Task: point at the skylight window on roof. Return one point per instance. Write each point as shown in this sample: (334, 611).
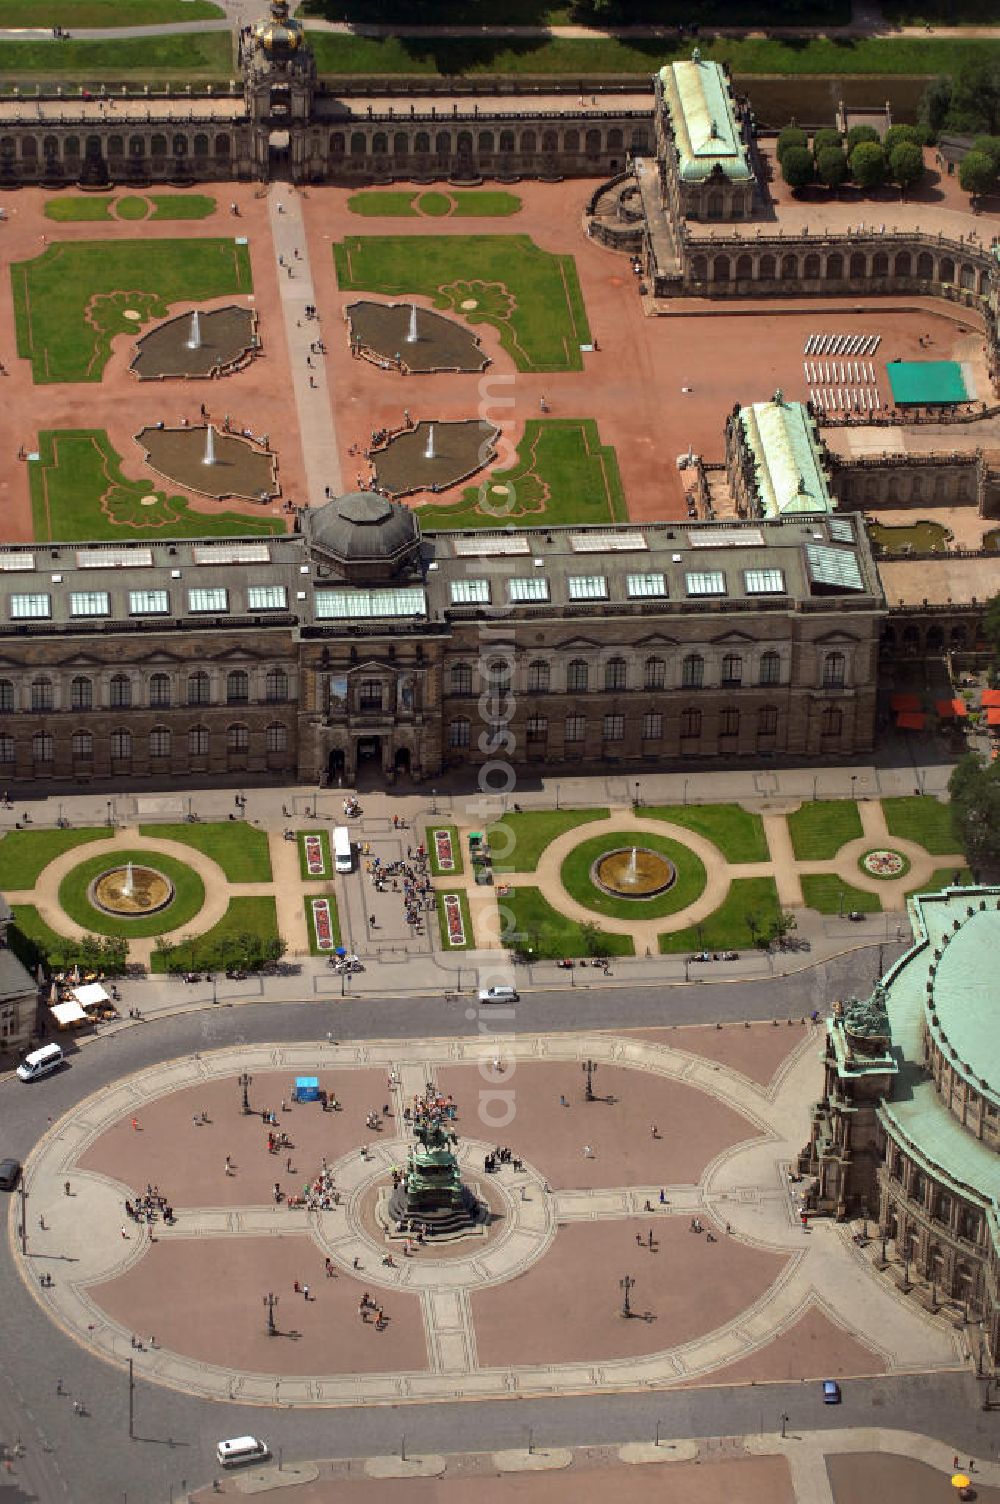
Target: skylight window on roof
(588, 587)
(30, 607)
(841, 529)
(11, 563)
(706, 582)
(835, 567)
(148, 602)
(535, 588)
(212, 598)
(359, 605)
(114, 558)
(764, 581)
(266, 597)
(89, 603)
(607, 543)
(646, 586)
(231, 553)
(726, 537)
(491, 546)
(470, 592)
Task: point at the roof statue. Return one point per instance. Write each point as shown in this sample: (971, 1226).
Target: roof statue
(867, 1022)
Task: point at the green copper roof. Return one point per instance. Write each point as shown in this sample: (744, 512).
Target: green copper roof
(788, 460)
(706, 132)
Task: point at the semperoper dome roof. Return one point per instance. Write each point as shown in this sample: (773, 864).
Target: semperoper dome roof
(278, 32)
(362, 525)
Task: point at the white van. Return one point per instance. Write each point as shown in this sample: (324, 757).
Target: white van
(343, 859)
(240, 1450)
(499, 995)
(40, 1062)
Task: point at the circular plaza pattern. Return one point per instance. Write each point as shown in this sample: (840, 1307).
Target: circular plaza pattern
(884, 863)
(131, 890)
(669, 876)
(597, 1193)
(176, 894)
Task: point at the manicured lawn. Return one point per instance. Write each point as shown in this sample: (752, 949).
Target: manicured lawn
(519, 840)
(189, 895)
(550, 934)
(920, 538)
(176, 58)
(818, 830)
(104, 13)
(324, 841)
(131, 207)
(576, 879)
(532, 297)
(379, 203)
(181, 205)
(463, 203)
(244, 916)
(822, 56)
(435, 205)
(463, 904)
(24, 853)
(737, 833)
(456, 851)
(480, 203)
(829, 894)
(70, 301)
(923, 819)
(78, 491)
(32, 940)
(943, 877)
(749, 898)
(564, 474)
(314, 949)
(88, 206)
(241, 850)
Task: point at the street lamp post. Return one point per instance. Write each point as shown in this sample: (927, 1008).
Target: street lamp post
(686, 781)
(625, 1286)
(245, 1082)
(784, 1423)
(215, 988)
(434, 801)
(589, 1067)
(637, 799)
(24, 1216)
(270, 1305)
(110, 822)
(854, 781)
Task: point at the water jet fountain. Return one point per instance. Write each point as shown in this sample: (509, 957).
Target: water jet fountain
(209, 455)
(194, 338)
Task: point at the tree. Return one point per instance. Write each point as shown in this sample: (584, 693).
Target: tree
(975, 810)
(831, 166)
(990, 146)
(975, 97)
(868, 164)
(906, 164)
(976, 174)
(824, 138)
(782, 925)
(791, 136)
(897, 134)
(859, 134)
(935, 104)
(797, 167)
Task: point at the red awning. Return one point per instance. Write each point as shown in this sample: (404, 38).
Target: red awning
(906, 702)
(911, 720)
(993, 716)
(991, 697)
(951, 710)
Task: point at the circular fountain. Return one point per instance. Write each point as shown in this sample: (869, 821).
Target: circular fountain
(131, 891)
(633, 872)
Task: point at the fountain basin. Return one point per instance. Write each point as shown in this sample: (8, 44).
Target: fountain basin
(434, 455)
(382, 332)
(150, 891)
(227, 337)
(238, 467)
(633, 872)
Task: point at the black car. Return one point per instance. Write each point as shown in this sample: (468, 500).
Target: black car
(10, 1173)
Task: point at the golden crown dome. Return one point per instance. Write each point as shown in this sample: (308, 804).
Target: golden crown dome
(278, 32)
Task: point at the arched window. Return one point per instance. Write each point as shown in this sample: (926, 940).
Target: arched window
(834, 669)
(880, 264)
(201, 144)
(538, 677)
(121, 745)
(43, 747)
(834, 267)
(120, 690)
(498, 674)
(789, 268)
(592, 143)
(6, 694)
(615, 139)
(767, 268)
(744, 268)
(136, 146)
(357, 144)
(640, 139)
(6, 748)
(275, 686)
(237, 738)
(460, 679)
(537, 728)
(693, 671)
(859, 265)
(690, 724)
(720, 269)
(223, 147)
(925, 266)
(198, 741)
(550, 141)
(159, 690)
(486, 143)
(276, 737)
(903, 264)
(577, 675)
(337, 144)
(732, 669)
(442, 143)
(699, 268)
(81, 693)
(159, 741)
(82, 746)
(506, 140)
(770, 668)
(458, 732)
(615, 674)
(50, 148)
(832, 722)
(400, 145)
(656, 673)
(529, 142)
(421, 142)
(380, 143)
(199, 688)
(180, 144)
(41, 694)
(237, 687)
(810, 267)
(571, 141)
(729, 721)
(71, 147)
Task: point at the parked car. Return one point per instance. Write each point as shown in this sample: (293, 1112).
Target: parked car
(831, 1392)
(10, 1174)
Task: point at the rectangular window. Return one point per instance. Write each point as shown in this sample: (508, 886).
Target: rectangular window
(30, 607)
(652, 726)
(528, 588)
(266, 597)
(642, 586)
(576, 728)
(614, 728)
(470, 592)
(705, 582)
(212, 598)
(588, 587)
(537, 728)
(90, 603)
(359, 605)
(149, 602)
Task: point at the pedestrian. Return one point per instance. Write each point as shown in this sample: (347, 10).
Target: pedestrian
(588, 1152)
(124, 1231)
(654, 1132)
(196, 1120)
(663, 1197)
(41, 1224)
(135, 1125)
(305, 1291)
(357, 1262)
(229, 1165)
(562, 1101)
(296, 1287)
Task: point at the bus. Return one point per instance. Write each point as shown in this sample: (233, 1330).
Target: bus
(343, 857)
